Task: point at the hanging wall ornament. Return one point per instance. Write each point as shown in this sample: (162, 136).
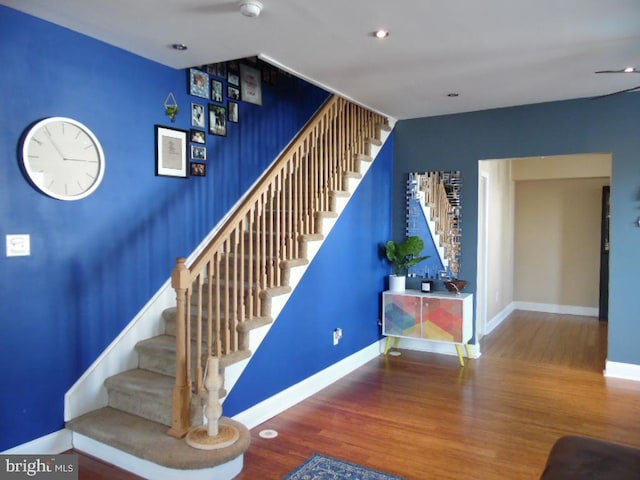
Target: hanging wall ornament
(171, 107)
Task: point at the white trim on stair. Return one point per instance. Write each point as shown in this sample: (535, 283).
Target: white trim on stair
(147, 469)
(295, 394)
(89, 393)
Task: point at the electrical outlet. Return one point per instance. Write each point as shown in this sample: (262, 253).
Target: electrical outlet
(337, 335)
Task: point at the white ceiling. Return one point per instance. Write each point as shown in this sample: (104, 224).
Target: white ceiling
(494, 53)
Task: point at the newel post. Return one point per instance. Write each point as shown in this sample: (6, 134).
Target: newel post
(181, 405)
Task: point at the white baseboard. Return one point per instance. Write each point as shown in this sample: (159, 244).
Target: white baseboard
(293, 395)
(52, 444)
(627, 371)
(499, 318)
(552, 308)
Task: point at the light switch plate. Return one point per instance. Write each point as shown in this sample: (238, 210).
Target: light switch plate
(18, 245)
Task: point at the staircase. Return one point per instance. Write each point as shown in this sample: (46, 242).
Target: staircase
(437, 195)
(231, 289)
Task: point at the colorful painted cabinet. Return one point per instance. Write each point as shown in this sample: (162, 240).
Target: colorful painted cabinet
(440, 316)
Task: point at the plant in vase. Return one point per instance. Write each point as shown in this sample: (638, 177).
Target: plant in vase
(402, 256)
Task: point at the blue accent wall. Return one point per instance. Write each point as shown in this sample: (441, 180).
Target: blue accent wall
(457, 142)
(341, 288)
(97, 261)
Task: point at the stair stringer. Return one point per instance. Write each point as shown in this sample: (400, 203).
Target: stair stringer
(311, 246)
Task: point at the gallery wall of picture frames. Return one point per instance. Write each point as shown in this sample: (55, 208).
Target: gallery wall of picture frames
(218, 89)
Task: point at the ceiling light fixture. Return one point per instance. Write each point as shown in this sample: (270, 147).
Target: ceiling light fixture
(250, 8)
(453, 94)
(381, 33)
(629, 70)
(179, 46)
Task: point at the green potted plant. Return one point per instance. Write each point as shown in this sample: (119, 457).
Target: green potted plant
(402, 256)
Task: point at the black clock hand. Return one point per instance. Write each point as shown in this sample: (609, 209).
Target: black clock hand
(55, 145)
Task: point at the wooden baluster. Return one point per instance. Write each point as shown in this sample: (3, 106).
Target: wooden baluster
(198, 373)
(217, 264)
(181, 414)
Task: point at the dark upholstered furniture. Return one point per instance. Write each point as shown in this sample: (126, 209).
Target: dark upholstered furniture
(581, 458)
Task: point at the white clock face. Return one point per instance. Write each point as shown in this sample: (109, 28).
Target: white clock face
(63, 158)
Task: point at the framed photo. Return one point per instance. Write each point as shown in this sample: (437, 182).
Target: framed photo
(198, 83)
(217, 120)
(171, 152)
(198, 153)
(198, 169)
(197, 115)
(250, 84)
(233, 112)
(198, 136)
(233, 74)
(216, 91)
(233, 93)
(221, 69)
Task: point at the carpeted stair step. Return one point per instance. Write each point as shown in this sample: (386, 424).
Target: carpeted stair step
(149, 440)
(147, 395)
(170, 314)
(158, 354)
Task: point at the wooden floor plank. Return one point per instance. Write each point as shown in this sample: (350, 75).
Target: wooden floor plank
(421, 416)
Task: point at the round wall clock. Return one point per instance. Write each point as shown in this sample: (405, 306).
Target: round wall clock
(63, 158)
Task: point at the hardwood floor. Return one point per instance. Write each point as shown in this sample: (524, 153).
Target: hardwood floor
(421, 416)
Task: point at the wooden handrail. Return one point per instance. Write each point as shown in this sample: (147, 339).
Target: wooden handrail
(229, 282)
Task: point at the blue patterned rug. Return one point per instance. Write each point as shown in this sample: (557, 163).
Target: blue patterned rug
(321, 467)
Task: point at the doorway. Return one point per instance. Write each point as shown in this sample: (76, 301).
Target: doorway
(499, 287)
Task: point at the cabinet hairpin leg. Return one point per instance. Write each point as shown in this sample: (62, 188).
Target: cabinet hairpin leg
(387, 345)
(460, 357)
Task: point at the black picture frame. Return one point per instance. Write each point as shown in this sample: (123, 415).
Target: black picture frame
(198, 136)
(233, 93)
(217, 92)
(221, 70)
(250, 84)
(198, 115)
(233, 111)
(233, 73)
(198, 83)
(171, 152)
(199, 153)
(198, 169)
(217, 120)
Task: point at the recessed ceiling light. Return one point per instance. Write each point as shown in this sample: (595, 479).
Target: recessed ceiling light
(453, 94)
(381, 33)
(179, 46)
